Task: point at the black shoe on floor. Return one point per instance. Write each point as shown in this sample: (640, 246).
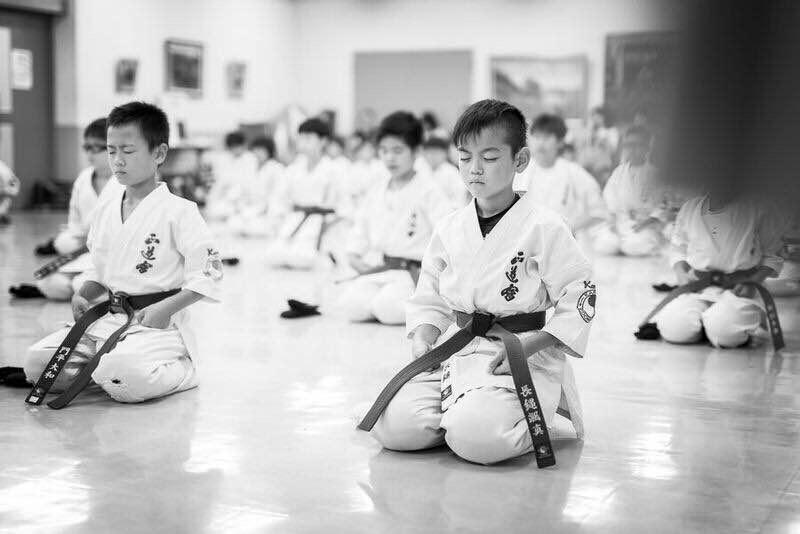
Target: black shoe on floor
(47, 249)
(299, 309)
(26, 291)
(5, 220)
(230, 261)
(648, 331)
(13, 377)
(664, 287)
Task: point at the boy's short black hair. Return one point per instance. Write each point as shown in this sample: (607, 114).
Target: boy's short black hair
(234, 139)
(403, 125)
(429, 120)
(550, 124)
(492, 113)
(267, 143)
(150, 119)
(316, 126)
(437, 142)
(98, 129)
(641, 131)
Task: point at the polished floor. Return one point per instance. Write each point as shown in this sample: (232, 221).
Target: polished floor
(679, 439)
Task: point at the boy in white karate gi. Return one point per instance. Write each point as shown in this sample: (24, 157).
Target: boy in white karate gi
(561, 185)
(313, 180)
(443, 173)
(143, 240)
(500, 255)
(638, 204)
(251, 219)
(394, 224)
(9, 188)
(234, 173)
(89, 186)
(720, 232)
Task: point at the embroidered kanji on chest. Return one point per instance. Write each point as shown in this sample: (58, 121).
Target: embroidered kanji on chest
(510, 292)
(148, 253)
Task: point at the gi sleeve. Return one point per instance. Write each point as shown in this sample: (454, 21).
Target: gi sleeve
(97, 271)
(358, 240)
(437, 205)
(611, 193)
(772, 225)
(202, 265)
(426, 305)
(566, 275)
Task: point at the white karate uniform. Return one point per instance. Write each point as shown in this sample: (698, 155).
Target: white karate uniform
(448, 179)
(738, 237)
(395, 223)
(320, 187)
(9, 188)
(164, 244)
(251, 218)
(83, 200)
(633, 195)
(361, 177)
(568, 189)
(788, 283)
(233, 179)
(477, 413)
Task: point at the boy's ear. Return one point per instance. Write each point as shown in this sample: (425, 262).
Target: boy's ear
(161, 153)
(522, 159)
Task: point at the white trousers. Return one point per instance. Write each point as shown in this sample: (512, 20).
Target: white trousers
(147, 363)
(61, 286)
(612, 241)
(728, 320)
(381, 296)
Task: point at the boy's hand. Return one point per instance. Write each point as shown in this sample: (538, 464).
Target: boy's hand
(499, 365)
(419, 347)
(79, 306)
(423, 339)
(153, 316)
(684, 273)
(743, 291)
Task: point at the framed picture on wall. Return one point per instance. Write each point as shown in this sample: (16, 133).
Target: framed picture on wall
(235, 75)
(640, 73)
(542, 85)
(184, 61)
(125, 75)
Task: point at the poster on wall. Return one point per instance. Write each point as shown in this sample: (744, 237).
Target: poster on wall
(125, 75)
(640, 73)
(21, 69)
(235, 77)
(184, 61)
(542, 85)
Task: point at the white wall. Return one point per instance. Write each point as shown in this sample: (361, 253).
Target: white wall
(329, 32)
(254, 31)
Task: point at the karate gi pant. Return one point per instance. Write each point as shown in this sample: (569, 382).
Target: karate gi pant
(249, 224)
(380, 296)
(147, 363)
(613, 241)
(728, 320)
(5, 204)
(788, 283)
(483, 422)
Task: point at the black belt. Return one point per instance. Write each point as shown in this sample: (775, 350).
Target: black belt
(478, 325)
(392, 263)
(307, 212)
(726, 281)
(49, 268)
(117, 303)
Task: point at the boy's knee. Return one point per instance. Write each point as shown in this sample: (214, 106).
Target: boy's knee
(65, 243)
(57, 286)
(389, 308)
(126, 379)
(640, 244)
(407, 426)
(726, 326)
(679, 322)
(607, 243)
(483, 429)
(354, 303)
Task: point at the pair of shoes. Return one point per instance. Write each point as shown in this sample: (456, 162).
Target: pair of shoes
(663, 287)
(46, 249)
(26, 291)
(299, 309)
(5, 220)
(648, 331)
(13, 377)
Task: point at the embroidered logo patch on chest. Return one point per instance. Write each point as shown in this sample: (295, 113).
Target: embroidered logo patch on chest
(587, 301)
(148, 253)
(510, 291)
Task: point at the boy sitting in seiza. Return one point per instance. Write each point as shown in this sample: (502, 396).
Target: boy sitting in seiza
(143, 240)
(392, 227)
(501, 255)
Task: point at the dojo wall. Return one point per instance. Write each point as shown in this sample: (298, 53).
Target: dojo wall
(96, 33)
(329, 32)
